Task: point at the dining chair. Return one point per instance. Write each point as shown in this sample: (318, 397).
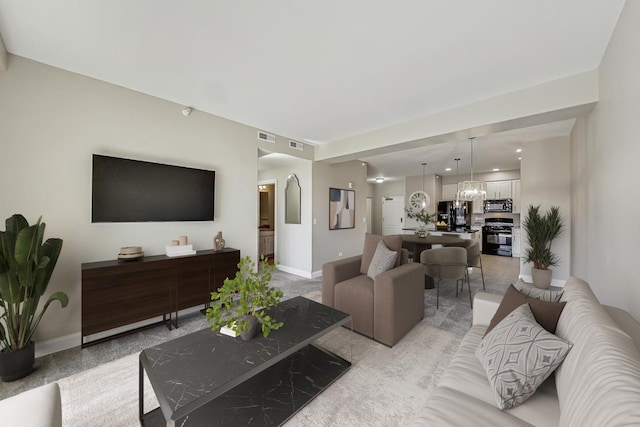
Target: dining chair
(474, 259)
(446, 263)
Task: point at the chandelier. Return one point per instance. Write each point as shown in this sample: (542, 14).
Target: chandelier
(472, 190)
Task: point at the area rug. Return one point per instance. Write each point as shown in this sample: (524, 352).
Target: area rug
(384, 387)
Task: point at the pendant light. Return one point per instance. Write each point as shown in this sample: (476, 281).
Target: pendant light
(472, 190)
(457, 204)
(419, 200)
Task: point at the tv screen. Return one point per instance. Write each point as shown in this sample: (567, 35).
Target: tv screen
(125, 190)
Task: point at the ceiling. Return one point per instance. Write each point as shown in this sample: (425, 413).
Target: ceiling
(321, 71)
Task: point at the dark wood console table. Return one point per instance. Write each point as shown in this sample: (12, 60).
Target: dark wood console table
(119, 293)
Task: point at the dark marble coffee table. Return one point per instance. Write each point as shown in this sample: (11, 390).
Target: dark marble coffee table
(206, 378)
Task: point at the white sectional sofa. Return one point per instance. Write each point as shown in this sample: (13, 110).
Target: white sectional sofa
(597, 384)
(38, 407)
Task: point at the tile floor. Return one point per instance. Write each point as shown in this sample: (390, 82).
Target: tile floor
(453, 315)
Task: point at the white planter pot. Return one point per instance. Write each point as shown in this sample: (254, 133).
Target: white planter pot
(541, 278)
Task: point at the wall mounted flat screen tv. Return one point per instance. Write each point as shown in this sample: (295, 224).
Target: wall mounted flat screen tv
(125, 190)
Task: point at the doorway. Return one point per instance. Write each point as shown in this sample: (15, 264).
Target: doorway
(392, 215)
(267, 220)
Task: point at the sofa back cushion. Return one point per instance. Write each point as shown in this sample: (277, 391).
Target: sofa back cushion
(393, 242)
(599, 381)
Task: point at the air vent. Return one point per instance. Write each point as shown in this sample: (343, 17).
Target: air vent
(296, 145)
(263, 136)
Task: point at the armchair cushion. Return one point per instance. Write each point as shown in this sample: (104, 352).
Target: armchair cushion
(393, 242)
(383, 260)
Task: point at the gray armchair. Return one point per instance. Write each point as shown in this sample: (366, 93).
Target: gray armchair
(384, 308)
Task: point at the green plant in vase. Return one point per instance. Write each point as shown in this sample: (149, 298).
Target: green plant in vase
(241, 303)
(423, 217)
(26, 266)
(541, 229)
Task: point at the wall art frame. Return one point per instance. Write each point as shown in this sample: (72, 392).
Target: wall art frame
(342, 209)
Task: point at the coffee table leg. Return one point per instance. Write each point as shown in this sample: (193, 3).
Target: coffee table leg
(141, 390)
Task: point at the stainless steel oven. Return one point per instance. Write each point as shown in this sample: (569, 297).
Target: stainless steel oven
(496, 236)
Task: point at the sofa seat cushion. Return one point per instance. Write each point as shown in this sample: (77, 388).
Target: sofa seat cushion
(466, 375)
(447, 407)
(355, 297)
(38, 407)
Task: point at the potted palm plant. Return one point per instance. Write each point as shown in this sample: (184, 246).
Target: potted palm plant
(241, 302)
(541, 230)
(26, 265)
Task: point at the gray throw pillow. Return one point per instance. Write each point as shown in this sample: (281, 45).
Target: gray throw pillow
(542, 294)
(518, 355)
(383, 259)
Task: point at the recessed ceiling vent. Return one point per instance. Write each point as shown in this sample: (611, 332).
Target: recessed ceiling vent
(296, 145)
(263, 136)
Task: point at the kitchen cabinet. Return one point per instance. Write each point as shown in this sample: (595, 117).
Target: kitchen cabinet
(449, 191)
(266, 242)
(515, 195)
(499, 190)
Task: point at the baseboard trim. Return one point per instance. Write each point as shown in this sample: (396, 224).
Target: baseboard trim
(57, 344)
(295, 271)
(316, 274)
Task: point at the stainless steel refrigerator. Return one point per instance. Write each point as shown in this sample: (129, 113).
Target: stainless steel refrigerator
(456, 216)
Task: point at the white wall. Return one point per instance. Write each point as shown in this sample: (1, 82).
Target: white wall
(327, 244)
(605, 173)
(545, 180)
(51, 121)
(293, 241)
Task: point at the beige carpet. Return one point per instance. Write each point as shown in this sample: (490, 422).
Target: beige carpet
(384, 387)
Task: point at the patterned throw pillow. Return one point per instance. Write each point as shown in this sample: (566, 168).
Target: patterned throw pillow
(542, 294)
(518, 355)
(383, 260)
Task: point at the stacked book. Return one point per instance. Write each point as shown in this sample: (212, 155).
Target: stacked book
(180, 250)
(130, 253)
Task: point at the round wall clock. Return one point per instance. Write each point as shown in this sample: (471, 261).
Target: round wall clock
(419, 200)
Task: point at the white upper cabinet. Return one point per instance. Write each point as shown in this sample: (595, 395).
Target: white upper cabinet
(499, 190)
(449, 191)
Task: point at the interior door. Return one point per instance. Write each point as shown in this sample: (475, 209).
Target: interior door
(392, 215)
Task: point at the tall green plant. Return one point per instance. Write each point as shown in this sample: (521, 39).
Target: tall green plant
(541, 230)
(248, 293)
(26, 265)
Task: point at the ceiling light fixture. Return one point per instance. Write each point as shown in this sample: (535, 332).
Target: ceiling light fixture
(472, 190)
(496, 170)
(380, 180)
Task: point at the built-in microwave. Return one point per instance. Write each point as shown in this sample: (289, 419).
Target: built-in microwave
(498, 205)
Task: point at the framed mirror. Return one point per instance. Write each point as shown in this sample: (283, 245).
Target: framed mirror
(292, 200)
